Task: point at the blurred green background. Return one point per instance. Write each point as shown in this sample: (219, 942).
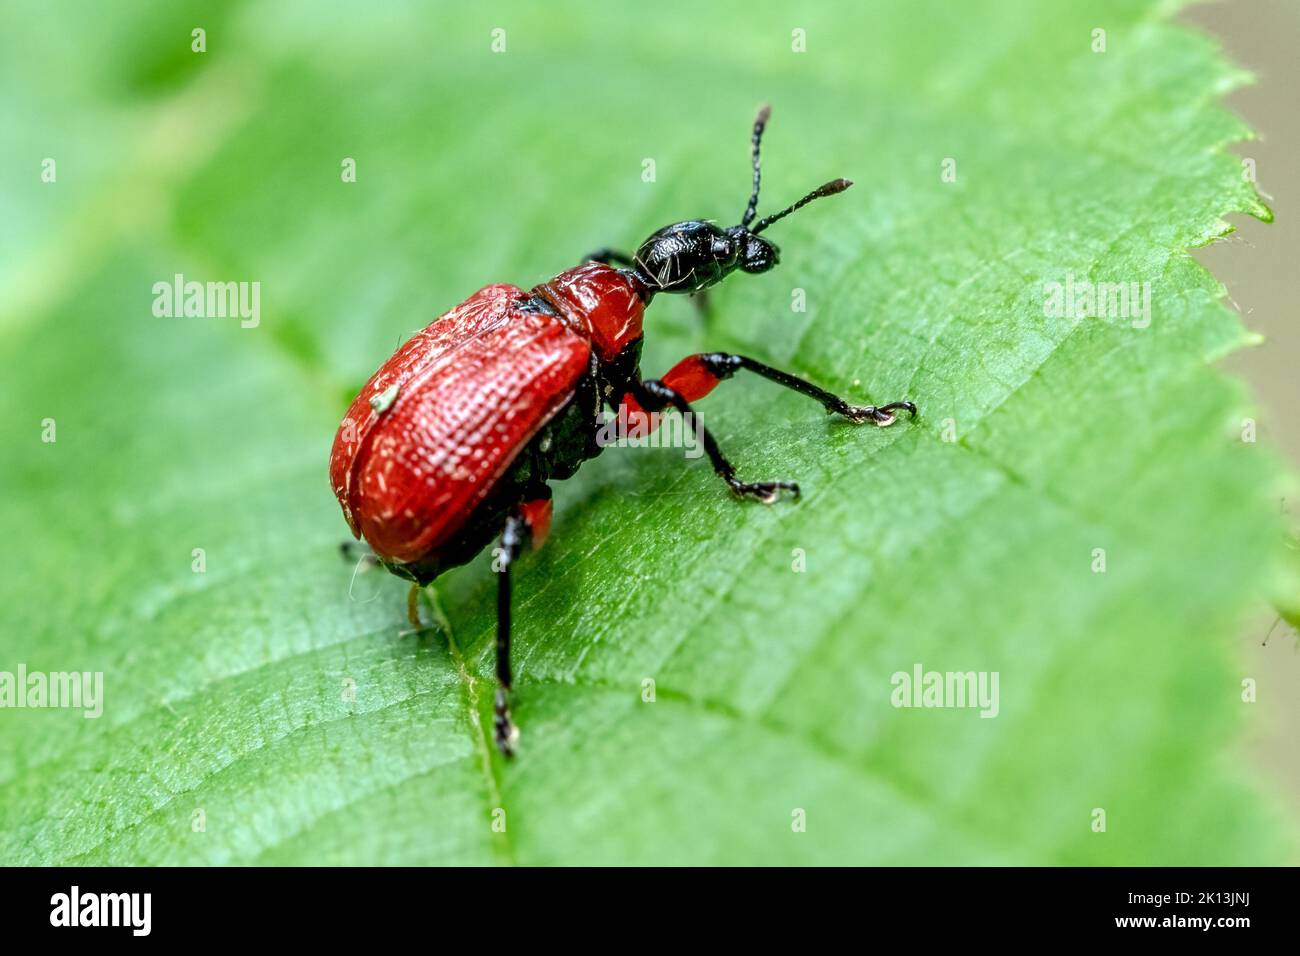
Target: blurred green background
(1255, 265)
(269, 709)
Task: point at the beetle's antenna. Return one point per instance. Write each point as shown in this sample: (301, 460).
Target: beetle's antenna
(830, 189)
(760, 122)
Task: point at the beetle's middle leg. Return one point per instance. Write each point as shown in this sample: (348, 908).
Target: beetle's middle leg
(654, 395)
(696, 375)
(528, 523)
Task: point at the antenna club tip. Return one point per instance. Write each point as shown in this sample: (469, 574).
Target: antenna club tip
(839, 185)
(764, 112)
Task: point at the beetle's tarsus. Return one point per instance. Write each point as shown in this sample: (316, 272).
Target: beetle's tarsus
(882, 415)
(504, 730)
(765, 491)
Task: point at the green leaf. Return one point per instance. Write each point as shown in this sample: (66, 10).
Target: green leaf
(270, 708)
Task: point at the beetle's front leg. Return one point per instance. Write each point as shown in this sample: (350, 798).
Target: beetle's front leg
(697, 375)
(654, 395)
(703, 305)
(610, 257)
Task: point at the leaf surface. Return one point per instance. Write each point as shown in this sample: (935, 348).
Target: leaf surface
(271, 710)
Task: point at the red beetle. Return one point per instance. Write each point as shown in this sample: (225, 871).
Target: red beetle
(456, 437)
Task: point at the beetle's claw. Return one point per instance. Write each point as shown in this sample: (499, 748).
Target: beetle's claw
(507, 737)
(765, 491)
(883, 415)
(504, 730)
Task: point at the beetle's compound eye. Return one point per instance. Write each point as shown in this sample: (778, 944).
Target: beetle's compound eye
(759, 255)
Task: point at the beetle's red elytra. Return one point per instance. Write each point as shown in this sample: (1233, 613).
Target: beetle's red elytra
(469, 391)
(455, 440)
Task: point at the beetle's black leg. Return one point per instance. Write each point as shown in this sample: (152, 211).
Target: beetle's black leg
(703, 304)
(514, 536)
(722, 365)
(653, 396)
(610, 256)
(413, 607)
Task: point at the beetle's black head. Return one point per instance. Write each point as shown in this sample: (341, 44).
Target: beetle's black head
(693, 255)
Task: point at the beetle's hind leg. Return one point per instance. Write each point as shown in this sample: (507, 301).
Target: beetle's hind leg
(526, 524)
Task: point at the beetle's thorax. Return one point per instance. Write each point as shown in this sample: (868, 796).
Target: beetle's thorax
(603, 304)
